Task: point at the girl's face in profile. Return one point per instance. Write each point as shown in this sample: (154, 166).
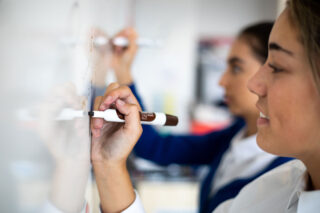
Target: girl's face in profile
(241, 66)
(288, 96)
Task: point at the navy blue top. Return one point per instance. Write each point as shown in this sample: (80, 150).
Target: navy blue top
(197, 150)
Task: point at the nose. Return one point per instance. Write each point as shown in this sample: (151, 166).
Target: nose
(223, 80)
(257, 84)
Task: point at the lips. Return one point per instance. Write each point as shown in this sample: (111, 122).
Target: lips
(227, 99)
(263, 116)
(263, 119)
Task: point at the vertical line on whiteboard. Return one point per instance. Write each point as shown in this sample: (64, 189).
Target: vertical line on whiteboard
(131, 19)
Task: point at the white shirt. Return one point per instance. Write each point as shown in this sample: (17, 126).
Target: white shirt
(278, 191)
(135, 207)
(243, 159)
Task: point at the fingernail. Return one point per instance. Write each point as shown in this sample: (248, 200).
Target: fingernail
(120, 102)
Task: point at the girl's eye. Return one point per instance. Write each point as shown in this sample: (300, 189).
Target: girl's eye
(275, 69)
(235, 69)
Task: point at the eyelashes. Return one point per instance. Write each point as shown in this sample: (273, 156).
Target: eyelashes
(274, 68)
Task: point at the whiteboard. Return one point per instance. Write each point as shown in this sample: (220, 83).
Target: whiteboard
(47, 65)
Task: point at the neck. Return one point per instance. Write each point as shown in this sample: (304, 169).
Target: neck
(312, 163)
(251, 122)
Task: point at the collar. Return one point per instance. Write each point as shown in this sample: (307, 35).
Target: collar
(301, 185)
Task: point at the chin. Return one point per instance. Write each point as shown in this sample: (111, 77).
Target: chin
(235, 111)
(265, 143)
(270, 145)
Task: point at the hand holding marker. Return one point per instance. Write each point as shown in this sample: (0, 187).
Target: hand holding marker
(112, 115)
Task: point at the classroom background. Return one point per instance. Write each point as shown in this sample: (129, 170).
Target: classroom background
(49, 64)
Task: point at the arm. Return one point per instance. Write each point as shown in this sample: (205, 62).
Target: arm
(115, 188)
(111, 146)
(184, 149)
(180, 149)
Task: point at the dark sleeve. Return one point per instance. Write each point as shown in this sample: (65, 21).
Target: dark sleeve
(183, 149)
(136, 94)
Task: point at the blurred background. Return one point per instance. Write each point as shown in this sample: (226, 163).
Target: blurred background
(48, 63)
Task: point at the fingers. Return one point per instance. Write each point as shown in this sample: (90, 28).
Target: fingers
(96, 123)
(129, 33)
(132, 36)
(103, 105)
(132, 118)
(123, 99)
(115, 92)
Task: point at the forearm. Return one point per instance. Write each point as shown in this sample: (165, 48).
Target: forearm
(99, 78)
(123, 75)
(115, 187)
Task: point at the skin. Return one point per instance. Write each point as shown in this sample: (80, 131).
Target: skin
(111, 145)
(289, 98)
(100, 57)
(241, 66)
(122, 59)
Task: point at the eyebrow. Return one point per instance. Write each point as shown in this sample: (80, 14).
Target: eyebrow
(277, 47)
(234, 60)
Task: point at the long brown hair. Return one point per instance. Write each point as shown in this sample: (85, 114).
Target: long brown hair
(257, 36)
(305, 15)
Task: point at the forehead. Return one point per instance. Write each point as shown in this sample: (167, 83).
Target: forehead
(285, 34)
(238, 48)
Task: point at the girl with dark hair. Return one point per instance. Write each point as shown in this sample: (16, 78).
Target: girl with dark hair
(288, 91)
(232, 153)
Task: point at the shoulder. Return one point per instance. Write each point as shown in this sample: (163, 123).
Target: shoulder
(292, 169)
(270, 191)
(283, 176)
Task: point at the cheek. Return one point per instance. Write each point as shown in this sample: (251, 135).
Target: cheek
(247, 100)
(294, 120)
(243, 100)
(309, 122)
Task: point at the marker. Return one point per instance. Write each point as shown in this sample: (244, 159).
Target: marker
(110, 115)
(150, 118)
(124, 42)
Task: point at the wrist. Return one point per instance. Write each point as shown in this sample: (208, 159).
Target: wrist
(108, 167)
(114, 186)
